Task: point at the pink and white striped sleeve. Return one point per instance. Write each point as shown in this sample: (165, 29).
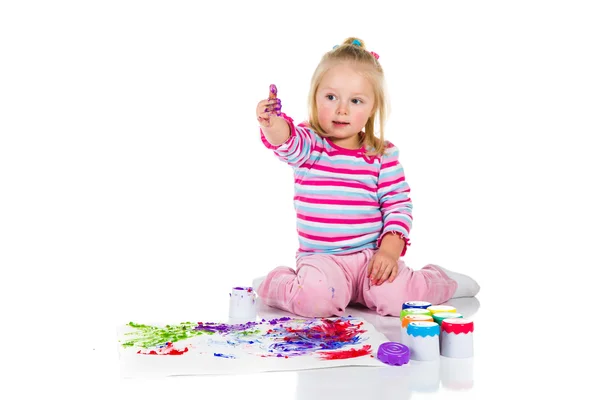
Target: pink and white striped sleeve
(297, 149)
(394, 200)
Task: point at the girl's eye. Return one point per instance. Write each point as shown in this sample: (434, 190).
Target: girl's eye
(330, 97)
(356, 101)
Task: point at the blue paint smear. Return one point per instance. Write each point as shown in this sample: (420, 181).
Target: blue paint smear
(223, 355)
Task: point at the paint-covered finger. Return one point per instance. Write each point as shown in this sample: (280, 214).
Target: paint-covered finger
(385, 274)
(388, 273)
(264, 104)
(380, 270)
(275, 102)
(272, 91)
(375, 270)
(394, 274)
(267, 113)
(379, 275)
(264, 120)
(274, 108)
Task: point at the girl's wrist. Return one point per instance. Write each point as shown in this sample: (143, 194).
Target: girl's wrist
(392, 244)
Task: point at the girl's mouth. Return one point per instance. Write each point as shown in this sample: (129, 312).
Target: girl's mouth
(337, 123)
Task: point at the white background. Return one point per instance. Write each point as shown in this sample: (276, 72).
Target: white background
(134, 185)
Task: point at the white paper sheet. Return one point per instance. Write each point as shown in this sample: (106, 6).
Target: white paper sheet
(281, 344)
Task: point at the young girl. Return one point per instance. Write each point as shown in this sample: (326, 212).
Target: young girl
(354, 213)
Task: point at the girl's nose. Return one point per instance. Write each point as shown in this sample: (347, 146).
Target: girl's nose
(342, 109)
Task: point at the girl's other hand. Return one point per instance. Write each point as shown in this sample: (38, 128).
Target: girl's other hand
(382, 267)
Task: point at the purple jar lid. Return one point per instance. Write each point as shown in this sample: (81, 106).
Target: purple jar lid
(393, 353)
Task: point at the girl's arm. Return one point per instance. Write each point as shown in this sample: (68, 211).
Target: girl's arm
(278, 133)
(293, 145)
(394, 199)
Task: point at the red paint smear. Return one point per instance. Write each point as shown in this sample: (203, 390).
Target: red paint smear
(342, 354)
(168, 350)
(339, 330)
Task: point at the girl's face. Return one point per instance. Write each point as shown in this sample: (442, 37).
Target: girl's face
(345, 101)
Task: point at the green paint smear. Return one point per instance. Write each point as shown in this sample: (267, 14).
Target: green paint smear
(148, 336)
(246, 333)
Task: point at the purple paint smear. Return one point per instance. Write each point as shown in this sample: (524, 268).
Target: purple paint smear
(287, 339)
(224, 328)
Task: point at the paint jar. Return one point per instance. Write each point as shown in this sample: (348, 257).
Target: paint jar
(406, 320)
(441, 308)
(413, 311)
(457, 338)
(416, 304)
(242, 304)
(423, 340)
(438, 317)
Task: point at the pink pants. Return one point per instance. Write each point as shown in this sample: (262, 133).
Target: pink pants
(324, 285)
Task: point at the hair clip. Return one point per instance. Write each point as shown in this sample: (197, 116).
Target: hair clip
(335, 47)
(375, 55)
(357, 43)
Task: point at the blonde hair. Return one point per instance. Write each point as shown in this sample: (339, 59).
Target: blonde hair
(353, 50)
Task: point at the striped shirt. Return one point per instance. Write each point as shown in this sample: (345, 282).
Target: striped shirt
(345, 201)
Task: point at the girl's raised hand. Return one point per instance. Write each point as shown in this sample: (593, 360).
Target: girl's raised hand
(268, 108)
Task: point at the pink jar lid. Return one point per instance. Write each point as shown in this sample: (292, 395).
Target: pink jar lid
(457, 325)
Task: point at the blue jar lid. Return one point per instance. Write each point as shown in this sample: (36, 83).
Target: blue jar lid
(423, 328)
(416, 304)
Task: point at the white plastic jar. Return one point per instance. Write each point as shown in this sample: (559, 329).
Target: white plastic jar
(423, 340)
(242, 304)
(457, 338)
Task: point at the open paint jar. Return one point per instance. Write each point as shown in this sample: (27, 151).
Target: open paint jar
(242, 304)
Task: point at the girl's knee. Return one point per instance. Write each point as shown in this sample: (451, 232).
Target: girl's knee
(318, 295)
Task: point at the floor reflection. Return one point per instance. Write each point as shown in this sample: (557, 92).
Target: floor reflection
(385, 382)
